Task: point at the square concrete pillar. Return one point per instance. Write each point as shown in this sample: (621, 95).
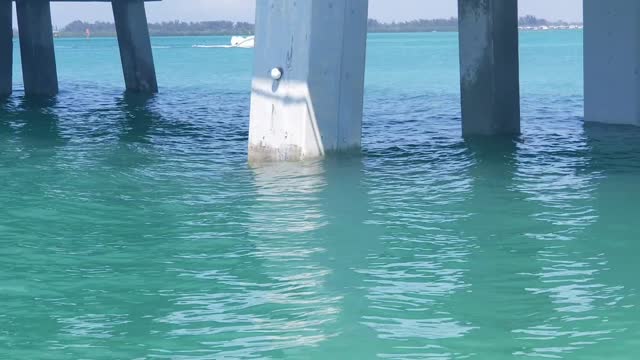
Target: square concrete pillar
(489, 67)
(135, 46)
(36, 47)
(6, 47)
(308, 85)
(612, 61)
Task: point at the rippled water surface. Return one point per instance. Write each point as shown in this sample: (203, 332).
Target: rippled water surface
(132, 227)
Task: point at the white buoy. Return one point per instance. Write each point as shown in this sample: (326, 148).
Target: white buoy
(276, 73)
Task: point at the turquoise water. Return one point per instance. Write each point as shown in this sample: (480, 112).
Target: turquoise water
(132, 227)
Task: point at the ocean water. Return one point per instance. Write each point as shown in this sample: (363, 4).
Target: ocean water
(132, 227)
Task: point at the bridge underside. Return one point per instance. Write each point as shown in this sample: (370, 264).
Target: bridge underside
(37, 48)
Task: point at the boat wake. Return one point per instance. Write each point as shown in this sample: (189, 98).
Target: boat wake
(236, 42)
(213, 46)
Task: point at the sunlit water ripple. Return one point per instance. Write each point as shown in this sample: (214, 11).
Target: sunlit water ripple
(133, 228)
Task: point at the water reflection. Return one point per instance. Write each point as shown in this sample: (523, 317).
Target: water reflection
(497, 221)
(29, 136)
(422, 259)
(304, 283)
(7, 107)
(560, 181)
(40, 119)
(270, 299)
(137, 120)
(613, 236)
(34, 120)
(351, 241)
(138, 117)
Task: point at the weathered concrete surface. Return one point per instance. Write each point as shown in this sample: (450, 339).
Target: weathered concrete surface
(36, 47)
(6, 47)
(612, 61)
(489, 67)
(135, 46)
(316, 107)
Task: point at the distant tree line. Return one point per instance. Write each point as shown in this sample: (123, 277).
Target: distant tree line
(168, 28)
(450, 24)
(422, 25)
(530, 20)
(182, 28)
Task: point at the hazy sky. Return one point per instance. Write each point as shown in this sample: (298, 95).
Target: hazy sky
(243, 10)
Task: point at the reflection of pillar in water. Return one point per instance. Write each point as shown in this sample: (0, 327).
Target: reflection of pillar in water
(284, 223)
(497, 226)
(40, 128)
(414, 279)
(557, 182)
(610, 245)
(349, 241)
(139, 117)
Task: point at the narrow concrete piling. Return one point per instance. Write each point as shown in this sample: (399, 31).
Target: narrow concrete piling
(36, 47)
(308, 84)
(6, 47)
(612, 61)
(135, 46)
(489, 68)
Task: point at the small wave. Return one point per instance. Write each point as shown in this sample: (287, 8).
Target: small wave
(161, 47)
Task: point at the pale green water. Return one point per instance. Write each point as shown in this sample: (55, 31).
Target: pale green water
(132, 228)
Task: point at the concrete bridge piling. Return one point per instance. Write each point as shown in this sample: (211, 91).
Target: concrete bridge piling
(308, 84)
(36, 48)
(38, 53)
(6, 47)
(489, 67)
(612, 61)
(135, 46)
(318, 48)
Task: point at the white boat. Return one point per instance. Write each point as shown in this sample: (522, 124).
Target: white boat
(247, 42)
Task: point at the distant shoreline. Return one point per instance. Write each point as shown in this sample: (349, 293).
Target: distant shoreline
(99, 36)
(229, 28)
(551, 28)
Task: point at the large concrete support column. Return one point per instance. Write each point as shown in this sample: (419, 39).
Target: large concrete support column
(6, 47)
(489, 62)
(36, 47)
(319, 47)
(612, 61)
(135, 46)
